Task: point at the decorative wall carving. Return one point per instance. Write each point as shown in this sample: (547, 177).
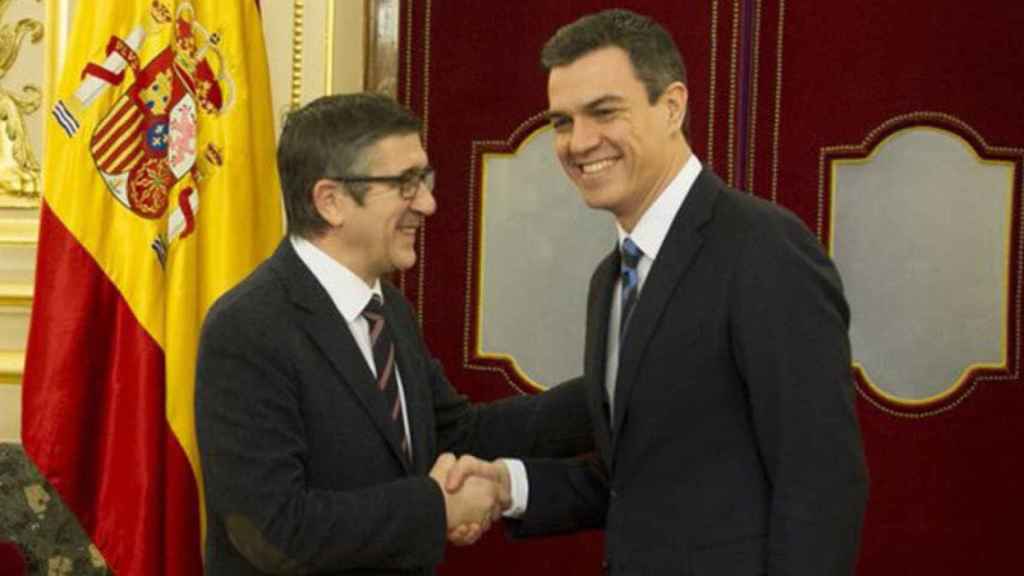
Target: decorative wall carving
(19, 164)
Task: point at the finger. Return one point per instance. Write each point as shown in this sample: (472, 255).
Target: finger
(469, 534)
(445, 460)
(439, 471)
(459, 533)
(465, 466)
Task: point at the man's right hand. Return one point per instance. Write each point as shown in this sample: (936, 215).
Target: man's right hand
(472, 508)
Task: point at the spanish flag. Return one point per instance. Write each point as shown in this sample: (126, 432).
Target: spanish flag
(160, 192)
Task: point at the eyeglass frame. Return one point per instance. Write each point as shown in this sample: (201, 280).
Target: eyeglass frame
(408, 183)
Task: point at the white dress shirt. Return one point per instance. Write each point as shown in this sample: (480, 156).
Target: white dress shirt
(648, 234)
(350, 295)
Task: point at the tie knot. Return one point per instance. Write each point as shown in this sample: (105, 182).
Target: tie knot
(374, 308)
(631, 253)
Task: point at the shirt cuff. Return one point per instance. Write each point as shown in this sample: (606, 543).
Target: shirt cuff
(520, 487)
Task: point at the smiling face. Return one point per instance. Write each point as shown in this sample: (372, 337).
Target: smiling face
(378, 235)
(619, 149)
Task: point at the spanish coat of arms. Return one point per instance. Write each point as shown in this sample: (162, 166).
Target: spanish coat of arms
(146, 143)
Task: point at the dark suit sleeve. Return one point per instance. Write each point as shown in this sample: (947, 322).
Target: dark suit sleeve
(565, 496)
(789, 333)
(554, 423)
(252, 443)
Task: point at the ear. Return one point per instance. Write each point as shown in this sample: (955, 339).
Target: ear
(329, 200)
(676, 98)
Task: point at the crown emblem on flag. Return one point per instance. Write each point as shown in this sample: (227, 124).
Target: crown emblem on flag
(145, 146)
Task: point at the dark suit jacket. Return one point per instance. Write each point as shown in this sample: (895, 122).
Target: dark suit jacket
(735, 449)
(302, 467)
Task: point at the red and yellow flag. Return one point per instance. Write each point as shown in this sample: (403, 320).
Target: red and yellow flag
(160, 193)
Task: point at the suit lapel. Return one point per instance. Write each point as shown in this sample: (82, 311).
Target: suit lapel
(596, 349)
(677, 252)
(330, 332)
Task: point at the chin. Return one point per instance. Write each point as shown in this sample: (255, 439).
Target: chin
(598, 199)
(404, 262)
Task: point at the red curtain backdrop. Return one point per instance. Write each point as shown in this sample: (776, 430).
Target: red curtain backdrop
(776, 89)
(945, 495)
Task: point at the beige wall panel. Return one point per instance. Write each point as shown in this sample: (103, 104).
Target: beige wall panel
(10, 415)
(313, 48)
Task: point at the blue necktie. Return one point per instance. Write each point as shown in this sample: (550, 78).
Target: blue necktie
(630, 259)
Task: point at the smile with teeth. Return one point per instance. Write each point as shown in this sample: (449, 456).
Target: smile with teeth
(595, 167)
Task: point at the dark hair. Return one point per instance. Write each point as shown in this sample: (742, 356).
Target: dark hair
(329, 137)
(655, 58)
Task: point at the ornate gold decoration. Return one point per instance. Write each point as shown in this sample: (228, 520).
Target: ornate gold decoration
(19, 168)
(711, 84)
(778, 102)
(734, 60)
(298, 22)
(752, 130)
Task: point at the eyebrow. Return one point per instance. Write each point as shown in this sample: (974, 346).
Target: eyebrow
(589, 106)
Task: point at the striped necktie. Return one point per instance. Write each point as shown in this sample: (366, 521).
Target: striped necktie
(630, 259)
(383, 345)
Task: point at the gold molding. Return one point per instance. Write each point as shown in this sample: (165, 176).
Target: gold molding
(19, 231)
(712, 74)
(12, 366)
(298, 16)
(752, 128)
(329, 24)
(733, 61)
(776, 118)
(16, 295)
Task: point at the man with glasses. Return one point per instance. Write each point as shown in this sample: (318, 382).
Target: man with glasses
(324, 423)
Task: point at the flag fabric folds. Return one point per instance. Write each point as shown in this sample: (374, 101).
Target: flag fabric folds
(160, 192)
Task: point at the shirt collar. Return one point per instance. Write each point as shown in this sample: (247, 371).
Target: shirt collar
(348, 291)
(652, 228)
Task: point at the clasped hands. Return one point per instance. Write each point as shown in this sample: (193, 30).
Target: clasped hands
(476, 492)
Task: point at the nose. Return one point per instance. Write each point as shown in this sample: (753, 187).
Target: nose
(584, 136)
(424, 202)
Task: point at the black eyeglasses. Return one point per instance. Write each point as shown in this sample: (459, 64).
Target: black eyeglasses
(408, 182)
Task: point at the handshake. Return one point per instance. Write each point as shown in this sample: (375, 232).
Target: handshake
(476, 492)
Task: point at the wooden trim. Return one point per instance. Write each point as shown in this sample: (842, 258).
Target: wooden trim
(382, 18)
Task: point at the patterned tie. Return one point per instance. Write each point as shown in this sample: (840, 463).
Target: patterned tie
(630, 254)
(384, 358)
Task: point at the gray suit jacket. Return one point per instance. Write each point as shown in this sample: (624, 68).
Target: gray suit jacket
(301, 465)
(734, 447)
